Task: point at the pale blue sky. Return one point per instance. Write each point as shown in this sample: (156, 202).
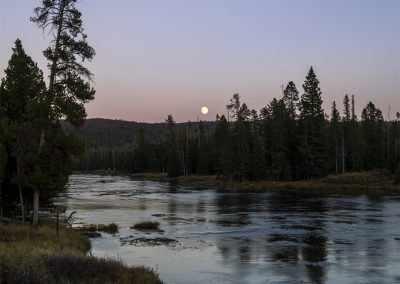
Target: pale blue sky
(160, 57)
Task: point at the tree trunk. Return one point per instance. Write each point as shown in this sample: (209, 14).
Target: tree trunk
(19, 185)
(353, 154)
(36, 194)
(336, 155)
(21, 200)
(343, 156)
(57, 46)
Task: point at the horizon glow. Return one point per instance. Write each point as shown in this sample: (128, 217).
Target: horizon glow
(156, 57)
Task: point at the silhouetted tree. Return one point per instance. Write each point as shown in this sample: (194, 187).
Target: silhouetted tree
(373, 137)
(223, 149)
(312, 122)
(173, 165)
(291, 100)
(240, 137)
(68, 89)
(21, 103)
(335, 135)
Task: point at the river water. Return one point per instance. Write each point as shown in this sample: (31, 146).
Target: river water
(213, 237)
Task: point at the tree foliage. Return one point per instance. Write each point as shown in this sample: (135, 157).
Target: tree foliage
(68, 85)
(22, 94)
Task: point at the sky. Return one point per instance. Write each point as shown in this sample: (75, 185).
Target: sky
(158, 57)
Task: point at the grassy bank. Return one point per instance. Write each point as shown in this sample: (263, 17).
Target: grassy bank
(354, 182)
(38, 256)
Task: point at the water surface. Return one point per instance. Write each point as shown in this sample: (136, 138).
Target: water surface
(275, 237)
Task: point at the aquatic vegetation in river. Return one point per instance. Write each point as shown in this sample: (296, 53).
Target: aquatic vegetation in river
(147, 225)
(92, 230)
(140, 242)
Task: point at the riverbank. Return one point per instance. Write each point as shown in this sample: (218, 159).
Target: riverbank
(39, 256)
(352, 182)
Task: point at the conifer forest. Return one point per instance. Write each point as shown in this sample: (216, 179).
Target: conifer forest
(291, 138)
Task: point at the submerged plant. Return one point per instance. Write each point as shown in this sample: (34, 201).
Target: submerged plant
(147, 225)
(92, 230)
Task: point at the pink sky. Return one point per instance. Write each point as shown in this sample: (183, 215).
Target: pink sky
(156, 58)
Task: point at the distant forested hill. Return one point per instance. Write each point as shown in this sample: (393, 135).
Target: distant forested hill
(114, 134)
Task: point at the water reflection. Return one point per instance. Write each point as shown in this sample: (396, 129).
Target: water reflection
(277, 237)
(302, 241)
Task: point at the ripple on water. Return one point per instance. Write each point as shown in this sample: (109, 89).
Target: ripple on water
(211, 237)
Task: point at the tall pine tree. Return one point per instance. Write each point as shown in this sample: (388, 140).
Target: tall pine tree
(312, 121)
(173, 161)
(335, 139)
(291, 100)
(372, 125)
(69, 88)
(21, 106)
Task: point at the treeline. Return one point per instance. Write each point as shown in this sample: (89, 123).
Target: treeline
(113, 133)
(289, 139)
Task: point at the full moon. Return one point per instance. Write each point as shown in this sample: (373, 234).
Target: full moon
(204, 110)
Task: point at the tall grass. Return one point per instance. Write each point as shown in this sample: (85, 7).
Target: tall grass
(38, 256)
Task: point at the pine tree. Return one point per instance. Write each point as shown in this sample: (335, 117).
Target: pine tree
(68, 88)
(291, 100)
(21, 103)
(311, 101)
(203, 161)
(173, 163)
(346, 109)
(346, 141)
(258, 167)
(312, 120)
(223, 149)
(276, 117)
(23, 88)
(354, 137)
(372, 125)
(240, 137)
(335, 135)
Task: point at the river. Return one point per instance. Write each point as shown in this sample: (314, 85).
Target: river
(215, 237)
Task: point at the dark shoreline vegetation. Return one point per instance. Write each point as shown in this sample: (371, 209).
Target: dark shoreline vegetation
(378, 181)
(30, 255)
